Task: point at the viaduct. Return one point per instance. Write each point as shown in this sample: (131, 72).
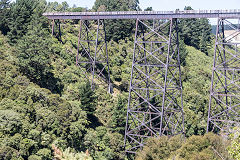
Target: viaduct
(155, 105)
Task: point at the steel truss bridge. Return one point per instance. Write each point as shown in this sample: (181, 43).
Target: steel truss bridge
(155, 105)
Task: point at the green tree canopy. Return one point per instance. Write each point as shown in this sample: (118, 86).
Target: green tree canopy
(207, 147)
(20, 17)
(117, 29)
(196, 32)
(4, 14)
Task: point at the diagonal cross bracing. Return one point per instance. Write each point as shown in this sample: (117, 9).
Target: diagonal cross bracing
(92, 55)
(224, 104)
(155, 93)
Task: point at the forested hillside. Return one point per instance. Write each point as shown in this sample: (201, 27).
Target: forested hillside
(48, 109)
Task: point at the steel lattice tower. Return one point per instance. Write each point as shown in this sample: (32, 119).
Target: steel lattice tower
(155, 94)
(224, 104)
(93, 56)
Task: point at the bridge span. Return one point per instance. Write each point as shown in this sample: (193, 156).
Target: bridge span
(155, 105)
(234, 13)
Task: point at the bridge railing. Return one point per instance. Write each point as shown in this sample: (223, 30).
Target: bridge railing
(147, 12)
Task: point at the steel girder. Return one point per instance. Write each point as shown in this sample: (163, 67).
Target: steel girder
(92, 54)
(234, 13)
(155, 95)
(224, 104)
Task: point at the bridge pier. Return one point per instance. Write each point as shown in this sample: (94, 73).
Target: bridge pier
(155, 94)
(224, 104)
(53, 22)
(58, 34)
(93, 55)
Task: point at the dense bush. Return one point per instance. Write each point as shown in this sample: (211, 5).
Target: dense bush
(209, 146)
(45, 99)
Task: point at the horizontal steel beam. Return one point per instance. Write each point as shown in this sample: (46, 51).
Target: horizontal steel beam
(235, 13)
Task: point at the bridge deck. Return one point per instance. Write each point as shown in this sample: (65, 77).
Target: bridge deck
(235, 13)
